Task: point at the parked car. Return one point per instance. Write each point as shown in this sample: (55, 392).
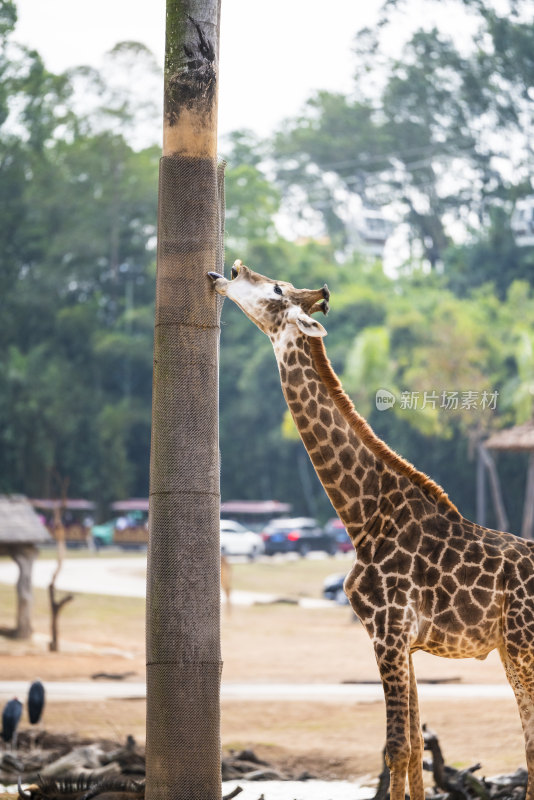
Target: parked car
(103, 534)
(128, 531)
(236, 540)
(333, 589)
(334, 527)
(297, 535)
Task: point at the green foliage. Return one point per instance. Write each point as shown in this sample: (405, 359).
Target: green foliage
(77, 268)
(251, 204)
(415, 136)
(368, 367)
(408, 335)
(77, 239)
(493, 256)
(8, 18)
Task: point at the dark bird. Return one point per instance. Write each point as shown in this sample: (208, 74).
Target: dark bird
(36, 701)
(10, 719)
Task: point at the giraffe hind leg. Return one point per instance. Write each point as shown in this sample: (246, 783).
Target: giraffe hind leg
(521, 679)
(415, 766)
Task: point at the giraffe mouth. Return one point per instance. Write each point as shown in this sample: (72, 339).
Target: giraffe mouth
(220, 282)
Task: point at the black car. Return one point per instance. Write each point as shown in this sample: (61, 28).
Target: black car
(335, 528)
(333, 589)
(297, 535)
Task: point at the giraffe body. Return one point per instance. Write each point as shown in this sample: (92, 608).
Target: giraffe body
(424, 577)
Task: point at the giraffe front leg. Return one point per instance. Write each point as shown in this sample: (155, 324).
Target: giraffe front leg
(395, 674)
(415, 767)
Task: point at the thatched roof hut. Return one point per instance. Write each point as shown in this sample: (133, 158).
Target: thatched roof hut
(519, 438)
(19, 523)
(21, 532)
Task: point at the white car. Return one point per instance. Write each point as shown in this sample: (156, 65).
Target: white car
(236, 540)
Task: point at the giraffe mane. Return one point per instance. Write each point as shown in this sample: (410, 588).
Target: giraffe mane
(364, 431)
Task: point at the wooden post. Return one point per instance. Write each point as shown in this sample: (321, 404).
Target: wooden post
(528, 505)
(481, 487)
(183, 575)
(486, 461)
(24, 556)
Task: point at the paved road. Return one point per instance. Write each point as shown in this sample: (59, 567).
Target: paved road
(361, 693)
(125, 577)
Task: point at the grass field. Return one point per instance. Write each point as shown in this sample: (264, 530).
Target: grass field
(299, 577)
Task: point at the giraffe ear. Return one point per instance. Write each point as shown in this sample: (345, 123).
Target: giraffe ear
(310, 326)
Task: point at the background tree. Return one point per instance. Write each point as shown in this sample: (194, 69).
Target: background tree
(427, 141)
(77, 273)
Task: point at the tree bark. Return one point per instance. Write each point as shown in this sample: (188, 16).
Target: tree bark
(55, 608)
(60, 537)
(183, 576)
(24, 557)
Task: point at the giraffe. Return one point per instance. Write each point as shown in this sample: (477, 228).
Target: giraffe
(424, 577)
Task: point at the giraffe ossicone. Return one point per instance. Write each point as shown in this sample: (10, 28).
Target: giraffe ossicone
(424, 577)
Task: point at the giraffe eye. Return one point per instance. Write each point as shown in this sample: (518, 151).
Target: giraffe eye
(278, 290)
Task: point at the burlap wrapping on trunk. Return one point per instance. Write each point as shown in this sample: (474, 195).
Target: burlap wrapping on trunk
(183, 577)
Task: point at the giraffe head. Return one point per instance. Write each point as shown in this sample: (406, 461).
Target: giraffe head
(274, 306)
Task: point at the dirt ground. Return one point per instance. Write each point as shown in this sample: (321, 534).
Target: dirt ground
(270, 643)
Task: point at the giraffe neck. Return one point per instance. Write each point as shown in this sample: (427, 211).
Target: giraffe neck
(369, 486)
(346, 468)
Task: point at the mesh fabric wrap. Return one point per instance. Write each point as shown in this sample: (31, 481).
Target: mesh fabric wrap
(183, 576)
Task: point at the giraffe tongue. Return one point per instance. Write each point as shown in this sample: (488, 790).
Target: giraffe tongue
(215, 276)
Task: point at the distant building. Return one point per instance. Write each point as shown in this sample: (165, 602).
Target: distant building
(522, 221)
(366, 228)
(369, 232)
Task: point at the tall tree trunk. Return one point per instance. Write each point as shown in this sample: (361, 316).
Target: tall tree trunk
(183, 578)
(55, 604)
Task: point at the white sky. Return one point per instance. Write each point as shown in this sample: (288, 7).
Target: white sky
(273, 54)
